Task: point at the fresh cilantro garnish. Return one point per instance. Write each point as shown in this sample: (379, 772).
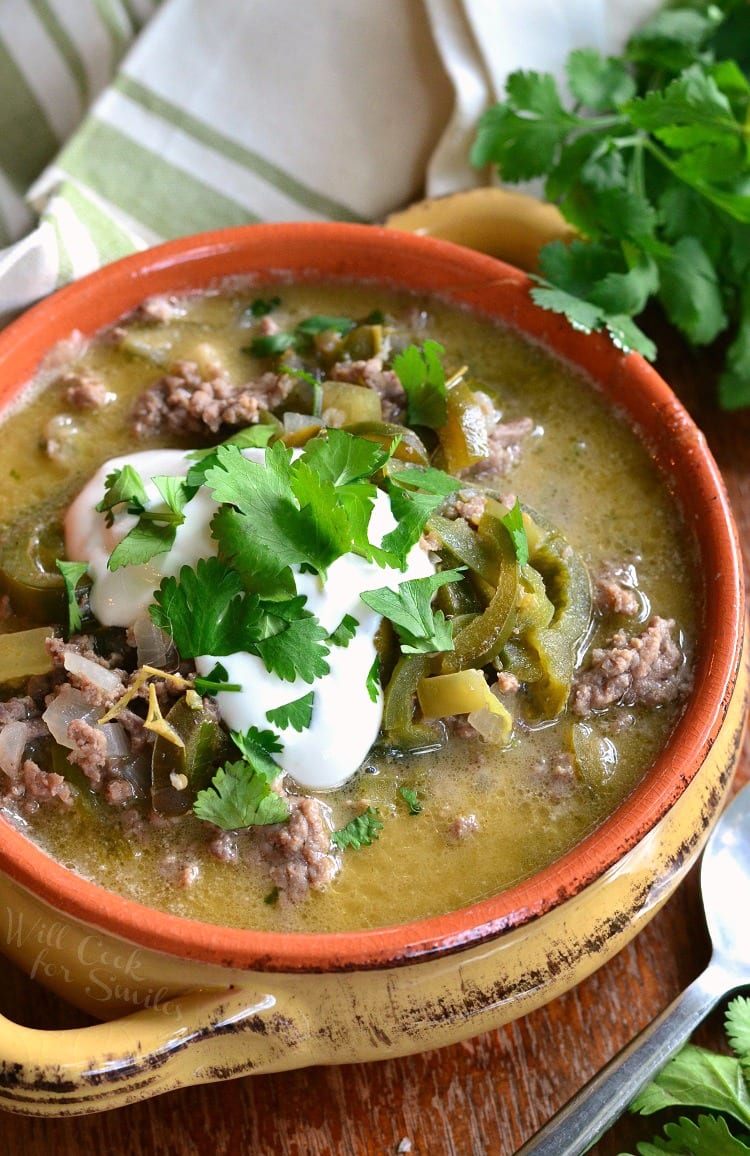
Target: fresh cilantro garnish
(206, 611)
(270, 345)
(238, 797)
(426, 478)
(421, 629)
(253, 740)
(344, 632)
(420, 372)
(322, 323)
(513, 522)
(154, 532)
(122, 487)
(372, 682)
(262, 306)
(305, 511)
(411, 509)
(359, 832)
(297, 714)
(215, 681)
(698, 1079)
(410, 798)
(72, 572)
(649, 162)
(249, 437)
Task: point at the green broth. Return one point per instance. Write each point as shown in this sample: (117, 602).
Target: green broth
(584, 469)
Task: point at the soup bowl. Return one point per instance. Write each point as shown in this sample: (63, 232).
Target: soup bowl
(185, 1002)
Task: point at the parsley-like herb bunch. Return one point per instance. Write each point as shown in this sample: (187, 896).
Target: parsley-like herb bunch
(651, 166)
(697, 1078)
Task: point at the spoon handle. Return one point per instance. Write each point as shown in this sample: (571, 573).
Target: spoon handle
(590, 1112)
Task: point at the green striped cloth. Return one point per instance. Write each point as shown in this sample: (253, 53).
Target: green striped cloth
(126, 122)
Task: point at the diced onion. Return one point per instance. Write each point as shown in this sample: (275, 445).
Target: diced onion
(64, 709)
(154, 647)
(294, 422)
(106, 680)
(13, 739)
(118, 743)
(493, 728)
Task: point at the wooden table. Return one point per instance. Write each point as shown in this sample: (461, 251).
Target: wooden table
(485, 1096)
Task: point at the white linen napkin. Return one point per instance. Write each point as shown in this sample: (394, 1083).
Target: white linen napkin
(224, 112)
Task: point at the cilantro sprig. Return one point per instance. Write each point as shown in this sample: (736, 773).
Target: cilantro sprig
(650, 164)
(272, 344)
(240, 794)
(421, 628)
(701, 1080)
(359, 832)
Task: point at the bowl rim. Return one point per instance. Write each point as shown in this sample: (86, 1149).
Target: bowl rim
(325, 252)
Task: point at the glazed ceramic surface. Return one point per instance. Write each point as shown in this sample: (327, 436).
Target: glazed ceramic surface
(190, 1002)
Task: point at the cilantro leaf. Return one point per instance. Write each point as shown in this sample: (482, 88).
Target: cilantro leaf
(215, 681)
(359, 832)
(297, 714)
(122, 487)
(344, 632)
(342, 458)
(262, 306)
(411, 509)
(706, 1136)
(421, 629)
(72, 572)
(410, 798)
(145, 541)
(321, 323)
(240, 797)
(737, 1023)
(698, 1078)
(253, 740)
(514, 524)
(421, 374)
(205, 610)
(270, 344)
(298, 649)
(372, 682)
(691, 293)
(598, 82)
(426, 478)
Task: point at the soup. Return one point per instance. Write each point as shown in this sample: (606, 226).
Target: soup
(358, 592)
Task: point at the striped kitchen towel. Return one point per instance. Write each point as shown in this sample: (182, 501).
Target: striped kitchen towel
(126, 122)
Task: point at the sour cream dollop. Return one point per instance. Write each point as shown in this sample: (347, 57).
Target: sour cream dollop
(345, 720)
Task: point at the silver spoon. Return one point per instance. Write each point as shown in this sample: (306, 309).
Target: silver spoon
(725, 887)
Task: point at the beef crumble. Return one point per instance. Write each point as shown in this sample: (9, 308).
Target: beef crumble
(647, 668)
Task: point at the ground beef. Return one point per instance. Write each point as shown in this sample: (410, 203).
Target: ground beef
(371, 373)
(557, 775)
(506, 682)
(182, 402)
(614, 591)
(646, 668)
(118, 791)
(157, 310)
(469, 506)
(94, 694)
(462, 827)
(505, 446)
(297, 853)
(223, 846)
(90, 750)
(44, 787)
(18, 709)
(84, 391)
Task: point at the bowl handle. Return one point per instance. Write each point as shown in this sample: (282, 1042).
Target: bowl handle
(190, 1039)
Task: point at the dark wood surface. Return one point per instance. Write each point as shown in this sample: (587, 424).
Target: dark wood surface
(483, 1097)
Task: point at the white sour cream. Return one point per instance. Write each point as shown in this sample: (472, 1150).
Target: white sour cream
(345, 721)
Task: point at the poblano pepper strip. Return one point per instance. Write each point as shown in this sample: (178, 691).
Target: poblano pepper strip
(206, 745)
(399, 703)
(483, 638)
(568, 588)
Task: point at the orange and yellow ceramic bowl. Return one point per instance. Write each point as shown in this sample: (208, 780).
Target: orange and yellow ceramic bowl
(185, 1001)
